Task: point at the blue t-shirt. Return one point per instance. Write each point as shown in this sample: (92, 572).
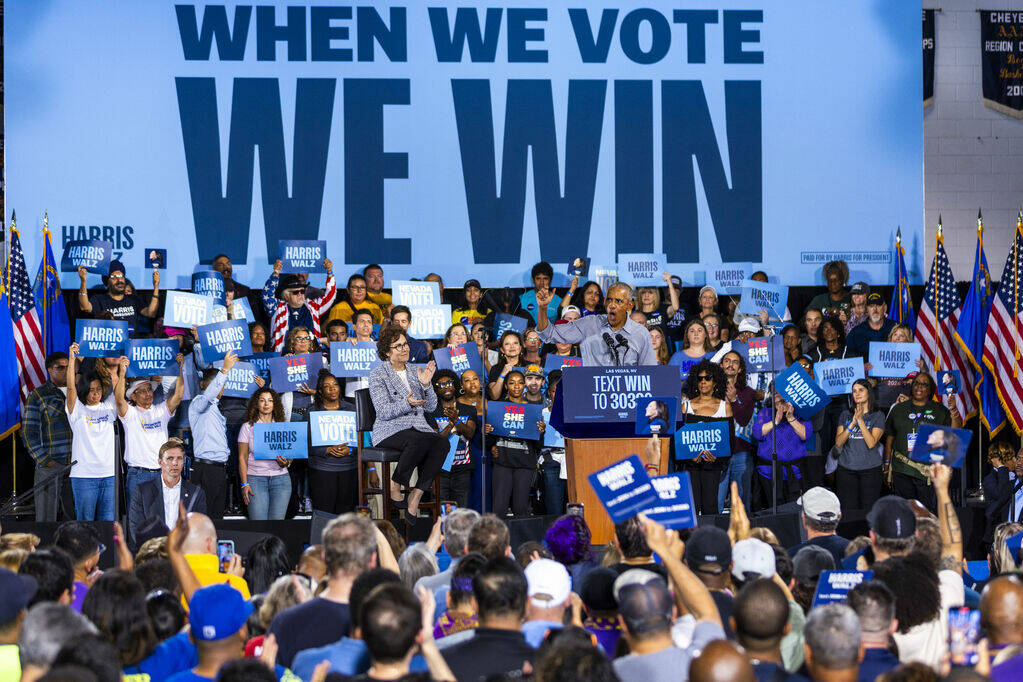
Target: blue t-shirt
(528, 303)
(686, 363)
(171, 656)
(283, 675)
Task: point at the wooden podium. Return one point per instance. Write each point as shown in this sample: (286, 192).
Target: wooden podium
(583, 456)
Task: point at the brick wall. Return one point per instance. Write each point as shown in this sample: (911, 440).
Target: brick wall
(973, 156)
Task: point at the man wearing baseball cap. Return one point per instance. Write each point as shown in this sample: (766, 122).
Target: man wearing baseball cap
(821, 513)
(875, 328)
(534, 385)
(16, 591)
(217, 616)
(121, 305)
(708, 554)
(549, 588)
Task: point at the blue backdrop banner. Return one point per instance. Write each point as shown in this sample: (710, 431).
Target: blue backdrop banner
(471, 139)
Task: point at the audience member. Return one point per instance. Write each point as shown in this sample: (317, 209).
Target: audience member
(721, 661)
(761, 619)
(47, 436)
(460, 615)
(833, 647)
(54, 575)
(200, 550)
(88, 652)
(158, 498)
(549, 588)
(46, 628)
(820, 514)
(284, 300)
(16, 591)
(874, 605)
(81, 543)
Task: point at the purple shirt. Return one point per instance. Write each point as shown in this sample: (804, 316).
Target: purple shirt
(1006, 671)
(607, 632)
(79, 590)
(790, 446)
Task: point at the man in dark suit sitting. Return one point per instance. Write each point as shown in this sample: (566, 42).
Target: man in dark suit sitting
(158, 499)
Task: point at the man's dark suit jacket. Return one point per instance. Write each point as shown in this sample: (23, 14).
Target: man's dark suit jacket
(998, 494)
(147, 503)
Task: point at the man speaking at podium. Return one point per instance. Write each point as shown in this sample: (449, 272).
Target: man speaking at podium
(604, 340)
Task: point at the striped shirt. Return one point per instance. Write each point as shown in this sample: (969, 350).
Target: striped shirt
(44, 426)
(279, 314)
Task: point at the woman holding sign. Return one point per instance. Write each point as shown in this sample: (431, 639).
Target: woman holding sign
(92, 444)
(402, 394)
(333, 483)
(860, 429)
(266, 485)
(704, 399)
(514, 458)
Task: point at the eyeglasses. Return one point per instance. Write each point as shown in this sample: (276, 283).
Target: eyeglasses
(446, 382)
(711, 325)
(116, 275)
(357, 287)
(704, 377)
(303, 338)
(400, 346)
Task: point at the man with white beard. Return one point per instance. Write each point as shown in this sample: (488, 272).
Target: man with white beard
(875, 328)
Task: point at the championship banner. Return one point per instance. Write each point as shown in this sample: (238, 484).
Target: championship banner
(459, 359)
(302, 255)
(515, 420)
(674, 507)
(1001, 61)
(241, 380)
(271, 440)
(94, 254)
(186, 310)
(413, 294)
(642, 270)
(928, 56)
(469, 139)
(353, 359)
(295, 371)
(209, 283)
(152, 357)
(430, 321)
(101, 338)
(332, 427)
(220, 338)
(610, 394)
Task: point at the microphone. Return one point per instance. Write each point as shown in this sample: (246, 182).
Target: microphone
(622, 343)
(611, 346)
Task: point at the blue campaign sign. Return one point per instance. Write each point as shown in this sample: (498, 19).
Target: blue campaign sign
(186, 310)
(552, 438)
(949, 381)
(459, 359)
(762, 353)
(430, 321)
(624, 488)
(220, 338)
(940, 444)
(292, 372)
(152, 357)
(333, 427)
(156, 259)
(674, 506)
(209, 283)
(554, 362)
(544, 152)
(610, 394)
(893, 360)
(578, 267)
(515, 420)
(351, 330)
(349, 359)
(415, 293)
(261, 363)
(836, 377)
(642, 269)
(835, 585)
(757, 296)
(656, 415)
(806, 396)
(101, 338)
(94, 254)
(1013, 543)
(458, 447)
(271, 440)
(727, 278)
(697, 437)
(302, 255)
(241, 380)
(504, 322)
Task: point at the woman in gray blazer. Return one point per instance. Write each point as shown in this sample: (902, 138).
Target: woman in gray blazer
(402, 395)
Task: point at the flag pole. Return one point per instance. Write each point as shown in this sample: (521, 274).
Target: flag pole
(934, 277)
(14, 456)
(1015, 294)
(46, 282)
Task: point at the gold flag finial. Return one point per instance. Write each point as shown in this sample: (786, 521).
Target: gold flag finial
(898, 235)
(14, 220)
(940, 235)
(46, 221)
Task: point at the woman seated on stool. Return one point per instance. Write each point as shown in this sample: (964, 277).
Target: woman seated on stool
(402, 394)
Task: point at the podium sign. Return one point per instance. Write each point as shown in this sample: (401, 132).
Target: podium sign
(610, 394)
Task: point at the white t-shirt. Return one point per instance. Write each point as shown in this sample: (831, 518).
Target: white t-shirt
(928, 641)
(92, 442)
(144, 432)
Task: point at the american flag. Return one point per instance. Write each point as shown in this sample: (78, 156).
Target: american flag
(939, 315)
(1001, 342)
(28, 337)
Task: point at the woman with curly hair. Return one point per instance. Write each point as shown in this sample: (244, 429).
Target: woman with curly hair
(589, 300)
(266, 486)
(704, 399)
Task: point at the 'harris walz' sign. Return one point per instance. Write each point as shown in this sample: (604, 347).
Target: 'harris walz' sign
(1001, 49)
(928, 34)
